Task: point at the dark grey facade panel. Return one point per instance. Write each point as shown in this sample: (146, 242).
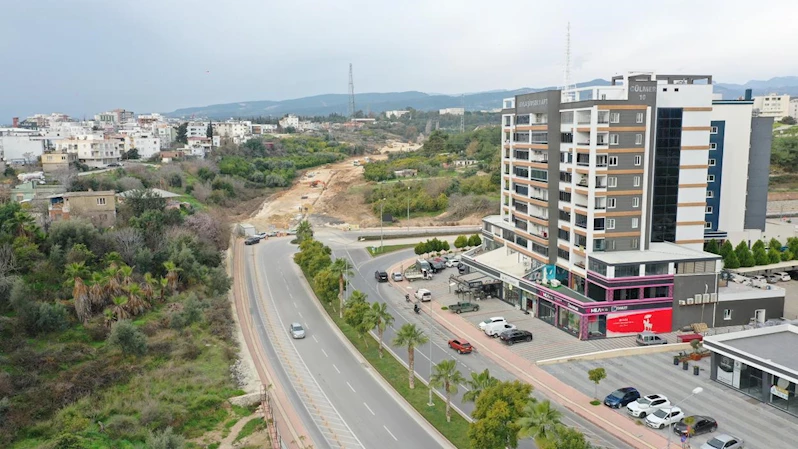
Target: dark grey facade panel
(687, 286)
(627, 139)
(628, 117)
(623, 224)
(623, 203)
(626, 161)
(758, 171)
(622, 243)
(624, 181)
(553, 111)
(743, 311)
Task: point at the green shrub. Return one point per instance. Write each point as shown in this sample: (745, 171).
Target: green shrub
(123, 427)
(461, 241)
(128, 338)
(474, 240)
(165, 439)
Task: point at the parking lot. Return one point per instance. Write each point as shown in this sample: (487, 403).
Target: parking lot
(759, 425)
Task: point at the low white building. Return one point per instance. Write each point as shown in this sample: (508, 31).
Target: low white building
(395, 114)
(772, 105)
(93, 150)
(289, 120)
(19, 147)
(147, 144)
(198, 146)
(260, 129)
(232, 129)
(452, 111)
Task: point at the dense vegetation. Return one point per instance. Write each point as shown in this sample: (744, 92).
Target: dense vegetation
(113, 337)
(784, 152)
(759, 254)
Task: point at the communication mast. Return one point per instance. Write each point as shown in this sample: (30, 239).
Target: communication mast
(462, 117)
(351, 93)
(567, 81)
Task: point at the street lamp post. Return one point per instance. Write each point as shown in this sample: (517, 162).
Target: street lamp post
(696, 390)
(408, 208)
(382, 203)
(430, 403)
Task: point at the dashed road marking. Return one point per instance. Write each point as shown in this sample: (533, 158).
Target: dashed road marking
(351, 388)
(369, 409)
(336, 368)
(325, 353)
(389, 433)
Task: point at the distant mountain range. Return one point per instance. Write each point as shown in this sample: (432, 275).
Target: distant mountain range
(379, 102)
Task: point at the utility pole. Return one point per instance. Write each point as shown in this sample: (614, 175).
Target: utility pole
(351, 93)
(408, 208)
(430, 403)
(382, 203)
(462, 117)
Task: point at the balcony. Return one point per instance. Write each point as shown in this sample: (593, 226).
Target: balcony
(583, 206)
(581, 224)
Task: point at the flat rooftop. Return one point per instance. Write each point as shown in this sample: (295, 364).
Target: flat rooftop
(739, 292)
(505, 260)
(775, 345)
(657, 252)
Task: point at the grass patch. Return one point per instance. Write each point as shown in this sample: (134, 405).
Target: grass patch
(784, 182)
(595, 402)
(377, 251)
(396, 375)
(252, 426)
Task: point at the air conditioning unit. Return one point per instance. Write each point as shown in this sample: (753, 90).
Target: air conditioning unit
(713, 297)
(698, 298)
(682, 302)
(690, 301)
(706, 298)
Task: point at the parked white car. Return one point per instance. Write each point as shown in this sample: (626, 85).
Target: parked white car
(453, 262)
(495, 319)
(664, 417)
(783, 276)
(494, 329)
(724, 441)
(647, 405)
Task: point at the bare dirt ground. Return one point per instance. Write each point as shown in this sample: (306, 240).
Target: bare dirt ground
(337, 199)
(782, 196)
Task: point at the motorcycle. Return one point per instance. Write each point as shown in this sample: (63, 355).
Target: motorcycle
(407, 298)
(416, 309)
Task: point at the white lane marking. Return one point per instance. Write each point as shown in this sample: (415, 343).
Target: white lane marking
(314, 338)
(369, 408)
(464, 387)
(336, 368)
(325, 353)
(350, 387)
(294, 302)
(389, 433)
(300, 315)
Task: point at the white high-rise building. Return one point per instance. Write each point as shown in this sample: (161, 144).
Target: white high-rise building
(772, 105)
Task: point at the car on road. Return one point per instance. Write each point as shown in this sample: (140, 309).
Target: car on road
(494, 329)
(397, 276)
(515, 335)
(261, 235)
(648, 338)
(647, 404)
(461, 307)
(381, 276)
(291, 232)
(495, 319)
(461, 268)
(621, 397)
(115, 164)
(252, 240)
(423, 295)
(724, 441)
(271, 234)
(297, 331)
(453, 262)
(783, 276)
(759, 278)
(461, 346)
(700, 425)
(664, 417)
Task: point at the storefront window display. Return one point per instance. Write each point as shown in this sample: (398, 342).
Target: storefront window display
(569, 321)
(546, 311)
(597, 326)
(512, 295)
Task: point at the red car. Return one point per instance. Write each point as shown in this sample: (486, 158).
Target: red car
(461, 346)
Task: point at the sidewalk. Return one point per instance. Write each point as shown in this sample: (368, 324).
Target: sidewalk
(559, 392)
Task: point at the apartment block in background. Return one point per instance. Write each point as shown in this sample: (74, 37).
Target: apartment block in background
(772, 105)
(93, 150)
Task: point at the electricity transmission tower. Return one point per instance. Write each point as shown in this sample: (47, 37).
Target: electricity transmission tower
(351, 93)
(462, 117)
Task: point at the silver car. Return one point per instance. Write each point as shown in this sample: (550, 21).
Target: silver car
(297, 331)
(723, 441)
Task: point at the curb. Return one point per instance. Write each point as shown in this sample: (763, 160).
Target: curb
(442, 440)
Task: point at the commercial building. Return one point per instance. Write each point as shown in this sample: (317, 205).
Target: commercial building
(758, 362)
(603, 206)
(99, 207)
(772, 105)
(452, 111)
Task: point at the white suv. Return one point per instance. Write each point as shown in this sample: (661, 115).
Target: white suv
(647, 404)
(495, 319)
(664, 417)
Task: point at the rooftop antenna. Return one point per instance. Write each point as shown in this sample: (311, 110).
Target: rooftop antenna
(462, 117)
(567, 82)
(351, 94)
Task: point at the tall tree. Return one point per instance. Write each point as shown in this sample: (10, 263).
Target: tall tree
(477, 384)
(381, 318)
(97, 290)
(712, 247)
(342, 269)
(446, 375)
(569, 438)
(304, 231)
(411, 337)
(171, 275)
(75, 272)
(540, 421)
(182, 133)
(120, 308)
(497, 408)
(596, 375)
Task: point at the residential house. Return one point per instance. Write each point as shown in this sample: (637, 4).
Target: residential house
(54, 161)
(27, 192)
(99, 207)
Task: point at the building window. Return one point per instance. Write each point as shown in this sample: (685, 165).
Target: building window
(615, 117)
(714, 130)
(567, 137)
(635, 223)
(611, 203)
(610, 223)
(727, 314)
(563, 254)
(710, 194)
(639, 118)
(638, 160)
(636, 181)
(713, 146)
(612, 161)
(636, 202)
(710, 178)
(614, 139)
(564, 235)
(635, 243)
(712, 162)
(625, 271)
(597, 266)
(564, 216)
(708, 209)
(638, 139)
(101, 201)
(707, 225)
(653, 269)
(612, 181)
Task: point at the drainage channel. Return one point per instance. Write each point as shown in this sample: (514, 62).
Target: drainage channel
(329, 421)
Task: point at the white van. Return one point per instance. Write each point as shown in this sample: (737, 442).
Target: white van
(494, 329)
(423, 295)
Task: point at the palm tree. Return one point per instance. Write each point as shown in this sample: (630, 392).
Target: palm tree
(125, 275)
(113, 259)
(112, 284)
(135, 304)
(148, 286)
(379, 316)
(303, 231)
(75, 272)
(479, 382)
(97, 290)
(539, 421)
(163, 283)
(447, 376)
(171, 275)
(411, 336)
(341, 268)
(109, 317)
(120, 308)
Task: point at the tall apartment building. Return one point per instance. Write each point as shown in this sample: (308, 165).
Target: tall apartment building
(93, 150)
(772, 105)
(197, 129)
(604, 207)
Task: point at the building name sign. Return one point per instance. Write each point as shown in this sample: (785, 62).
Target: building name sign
(639, 89)
(775, 390)
(533, 103)
(509, 279)
(619, 308)
(599, 309)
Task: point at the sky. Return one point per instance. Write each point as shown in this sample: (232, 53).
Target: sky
(82, 57)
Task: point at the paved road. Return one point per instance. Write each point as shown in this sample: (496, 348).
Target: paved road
(341, 398)
(403, 313)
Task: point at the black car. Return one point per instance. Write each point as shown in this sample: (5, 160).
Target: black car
(381, 276)
(252, 240)
(514, 335)
(701, 424)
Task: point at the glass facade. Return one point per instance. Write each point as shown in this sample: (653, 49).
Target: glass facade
(666, 174)
(569, 321)
(546, 311)
(760, 384)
